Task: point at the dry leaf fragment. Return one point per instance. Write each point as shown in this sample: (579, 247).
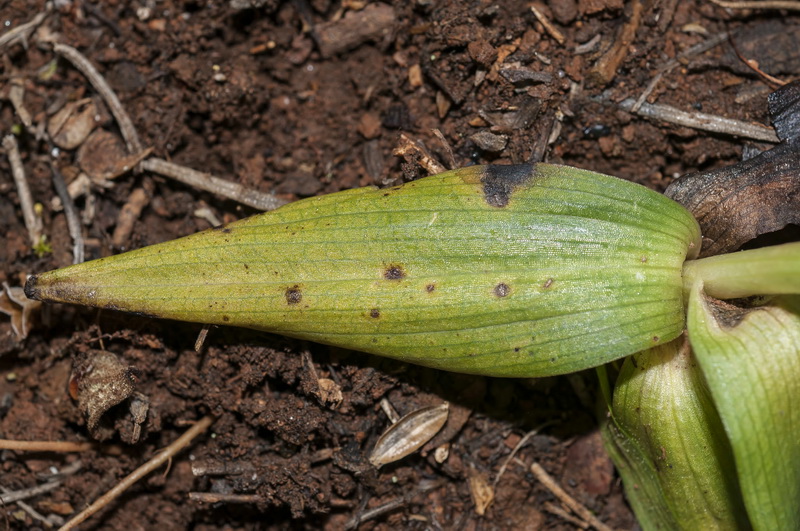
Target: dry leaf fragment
(481, 492)
(409, 434)
(20, 308)
(329, 392)
(757, 196)
(100, 381)
(70, 126)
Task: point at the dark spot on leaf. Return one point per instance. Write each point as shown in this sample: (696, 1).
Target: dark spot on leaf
(374, 313)
(656, 339)
(502, 290)
(246, 266)
(644, 259)
(500, 181)
(516, 349)
(553, 360)
(394, 272)
(226, 318)
(430, 288)
(293, 295)
(547, 283)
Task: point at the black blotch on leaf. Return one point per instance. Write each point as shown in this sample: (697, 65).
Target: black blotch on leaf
(374, 313)
(430, 288)
(293, 295)
(500, 181)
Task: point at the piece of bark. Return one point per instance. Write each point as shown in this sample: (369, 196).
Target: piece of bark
(372, 23)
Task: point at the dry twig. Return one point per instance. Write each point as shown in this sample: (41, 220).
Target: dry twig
(765, 4)
(215, 497)
(561, 513)
(23, 31)
(124, 121)
(36, 515)
(209, 183)
(128, 215)
(45, 446)
(24, 494)
(697, 49)
(701, 121)
(165, 455)
(411, 149)
(32, 222)
(606, 67)
(522, 442)
(391, 505)
(551, 485)
(548, 26)
(71, 213)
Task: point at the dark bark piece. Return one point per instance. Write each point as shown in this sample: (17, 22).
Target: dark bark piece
(741, 202)
(784, 108)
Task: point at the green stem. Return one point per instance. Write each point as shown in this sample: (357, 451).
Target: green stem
(767, 271)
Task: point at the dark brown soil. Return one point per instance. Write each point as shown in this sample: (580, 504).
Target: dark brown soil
(296, 98)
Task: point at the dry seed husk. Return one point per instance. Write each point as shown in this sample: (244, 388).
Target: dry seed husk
(409, 434)
(525, 270)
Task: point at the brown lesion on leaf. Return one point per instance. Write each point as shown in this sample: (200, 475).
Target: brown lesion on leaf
(728, 314)
(375, 313)
(394, 272)
(500, 181)
(293, 295)
(548, 283)
(502, 290)
(225, 318)
(430, 288)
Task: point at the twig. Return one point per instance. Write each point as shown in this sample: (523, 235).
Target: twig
(214, 497)
(522, 442)
(24, 494)
(209, 183)
(548, 26)
(23, 31)
(701, 121)
(411, 149)
(71, 213)
(561, 513)
(80, 62)
(390, 505)
(606, 67)
(551, 485)
(753, 65)
(766, 4)
(30, 510)
(128, 215)
(45, 446)
(32, 221)
(697, 49)
(165, 455)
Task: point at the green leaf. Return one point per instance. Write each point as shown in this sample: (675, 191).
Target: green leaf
(667, 440)
(751, 360)
(498, 270)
